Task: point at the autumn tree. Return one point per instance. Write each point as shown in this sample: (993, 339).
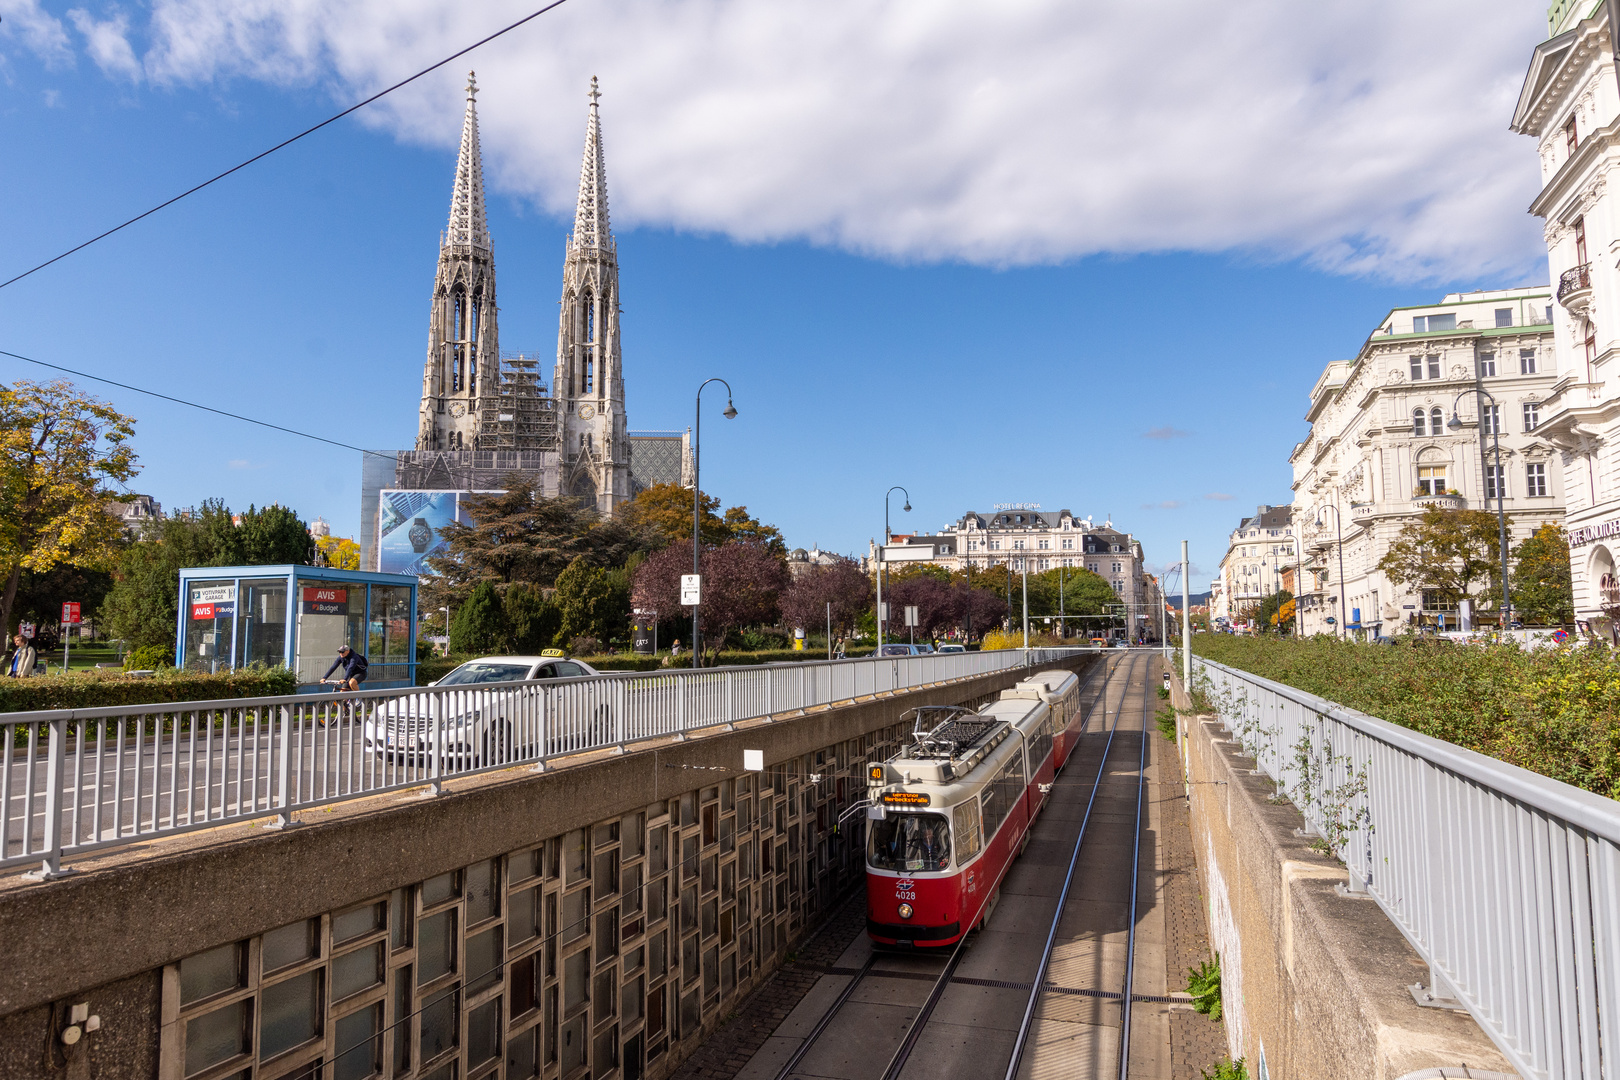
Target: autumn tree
(742, 586)
(665, 511)
(742, 527)
(59, 449)
(1541, 586)
(840, 586)
(339, 552)
(1446, 551)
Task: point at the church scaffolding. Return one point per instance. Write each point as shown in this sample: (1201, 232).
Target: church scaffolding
(519, 415)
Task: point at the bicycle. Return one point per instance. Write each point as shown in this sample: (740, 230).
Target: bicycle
(345, 708)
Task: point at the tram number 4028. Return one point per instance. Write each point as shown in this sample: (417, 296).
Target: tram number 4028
(905, 894)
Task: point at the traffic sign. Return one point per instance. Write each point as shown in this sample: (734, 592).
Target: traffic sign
(1560, 635)
(70, 612)
(691, 590)
(911, 615)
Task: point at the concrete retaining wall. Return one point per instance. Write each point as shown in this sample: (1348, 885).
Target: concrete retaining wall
(1314, 984)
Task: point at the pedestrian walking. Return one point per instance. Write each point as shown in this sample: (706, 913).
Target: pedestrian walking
(23, 659)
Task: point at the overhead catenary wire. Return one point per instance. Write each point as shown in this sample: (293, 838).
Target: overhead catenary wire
(285, 143)
(193, 404)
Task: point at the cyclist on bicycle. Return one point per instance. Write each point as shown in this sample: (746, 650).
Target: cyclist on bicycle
(354, 669)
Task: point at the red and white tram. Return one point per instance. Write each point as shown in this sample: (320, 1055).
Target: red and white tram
(951, 811)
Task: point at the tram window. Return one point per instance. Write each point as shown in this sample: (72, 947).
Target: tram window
(1001, 795)
(966, 821)
(910, 842)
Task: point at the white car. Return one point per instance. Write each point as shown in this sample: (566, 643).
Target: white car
(949, 647)
(481, 723)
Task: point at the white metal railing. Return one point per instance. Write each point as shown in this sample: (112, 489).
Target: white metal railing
(76, 779)
(1506, 882)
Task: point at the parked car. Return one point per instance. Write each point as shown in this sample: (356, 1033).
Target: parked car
(900, 648)
(479, 728)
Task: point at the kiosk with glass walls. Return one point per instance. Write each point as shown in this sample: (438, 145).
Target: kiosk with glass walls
(298, 616)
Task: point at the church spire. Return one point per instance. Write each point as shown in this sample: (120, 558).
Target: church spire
(591, 215)
(468, 224)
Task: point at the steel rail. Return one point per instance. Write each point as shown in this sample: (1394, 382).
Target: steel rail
(1024, 1026)
(1136, 876)
(903, 1052)
(826, 1018)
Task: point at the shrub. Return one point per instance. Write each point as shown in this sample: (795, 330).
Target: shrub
(584, 645)
(1226, 1069)
(85, 689)
(1165, 718)
(1552, 711)
(149, 658)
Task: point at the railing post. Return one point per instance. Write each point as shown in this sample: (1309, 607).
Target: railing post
(435, 772)
(731, 698)
(283, 801)
(55, 767)
(680, 708)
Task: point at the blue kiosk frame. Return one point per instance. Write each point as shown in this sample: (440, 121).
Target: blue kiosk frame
(233, 616)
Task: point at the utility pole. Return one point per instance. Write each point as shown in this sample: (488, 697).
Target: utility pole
(1186, 626)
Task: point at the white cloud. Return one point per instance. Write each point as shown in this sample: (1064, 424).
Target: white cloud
(1030, 131)
(39, 32)
(107, 42)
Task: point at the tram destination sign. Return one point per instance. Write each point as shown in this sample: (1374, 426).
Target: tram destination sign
(907, 798)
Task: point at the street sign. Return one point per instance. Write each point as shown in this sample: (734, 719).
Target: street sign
(911, 615)
(883, 612)
(26, 630)
(691, 590)
(1560, 635)
(70, 612)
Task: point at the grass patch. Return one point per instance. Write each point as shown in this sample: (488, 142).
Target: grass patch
(1165, 721)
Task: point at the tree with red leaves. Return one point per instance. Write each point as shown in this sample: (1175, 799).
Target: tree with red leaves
(840, 583)
(743, 584)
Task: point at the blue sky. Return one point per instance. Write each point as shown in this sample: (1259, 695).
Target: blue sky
(951, 356)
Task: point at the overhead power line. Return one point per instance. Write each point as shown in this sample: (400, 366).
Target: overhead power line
(193, 404)
(284, 143)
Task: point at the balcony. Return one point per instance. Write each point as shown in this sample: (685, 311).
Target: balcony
(1448, 501)
(1575, 289)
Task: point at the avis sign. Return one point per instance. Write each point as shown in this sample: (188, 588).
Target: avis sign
(324, 600)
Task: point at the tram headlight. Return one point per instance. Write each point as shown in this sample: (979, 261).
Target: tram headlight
(905, 911)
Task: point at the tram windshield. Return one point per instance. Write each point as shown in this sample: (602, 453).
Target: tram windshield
(909, 843)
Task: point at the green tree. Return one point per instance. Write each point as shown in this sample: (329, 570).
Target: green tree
(517, 535)
(1448, 552)
(1275, 612)
(532, 618)
(593, 604)
(59, 449)
(144, 602)
(1541, 587)
(479, 625)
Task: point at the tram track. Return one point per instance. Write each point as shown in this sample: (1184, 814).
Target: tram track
(946, 977)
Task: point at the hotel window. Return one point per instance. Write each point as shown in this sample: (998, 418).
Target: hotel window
(1571, 138)
(1493, 478)
(1417, 368)
(1504, 316)
(1437, 423)
(1580, 239)
(1068, 543)
(1417, 422)
(1116, 568)
(1491, 421)
(1433, 360)
(1527, 361)
(1487, 365)
(1018, 545)
(1431, 480)
(995, 545)
(1532, 415)
(1535, 480)
(1045, 545)
(1430, 324)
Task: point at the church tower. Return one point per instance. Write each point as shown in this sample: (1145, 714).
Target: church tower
(588, 384)
(463, 357)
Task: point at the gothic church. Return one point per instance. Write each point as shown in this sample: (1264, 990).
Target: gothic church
(486, 414)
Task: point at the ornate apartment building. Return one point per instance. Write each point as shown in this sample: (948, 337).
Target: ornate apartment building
(1415, 421)
(1260, 551)
(1570, 104)
(486, 414)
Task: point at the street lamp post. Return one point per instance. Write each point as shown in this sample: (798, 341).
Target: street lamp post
(907, 509)
(1339, 529)
(1455, 424)
(697, 498)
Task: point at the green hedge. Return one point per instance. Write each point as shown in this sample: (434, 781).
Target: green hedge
(1554, 711)
(87, 689)
(440, 666)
